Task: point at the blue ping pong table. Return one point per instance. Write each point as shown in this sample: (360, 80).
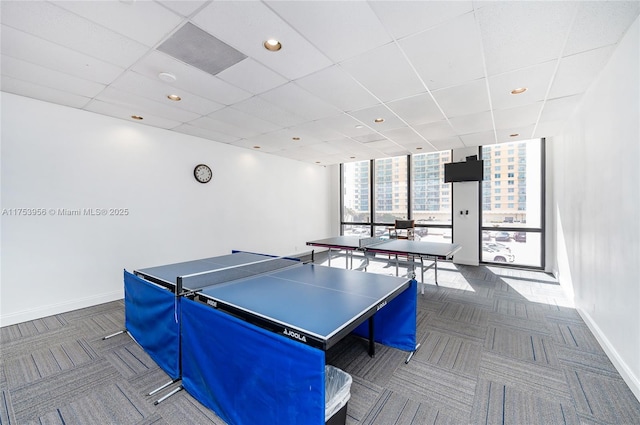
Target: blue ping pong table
(245, 314)
(432, 251)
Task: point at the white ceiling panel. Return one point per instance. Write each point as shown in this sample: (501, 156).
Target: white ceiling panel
(403, 18)
(577, 72)
(136, 104)
(252, 76)
(418, 109)
(45, 20)
(205, 133)
(338, 88)
(47, 94)
(536, 79)
(26, 71)
(341, 30)
(129, 18)
(295, 99)
(123, 112)
(386, 73)
(457, 45)
(182, 7)
(440, 73)
(600, 24)
(520, 34)
(465, 99)
(241, 119)
(245, 25)
(267, 111)
(472, 123)
(38, 51)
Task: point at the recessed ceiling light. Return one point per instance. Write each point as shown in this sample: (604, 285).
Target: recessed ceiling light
(256, 147)
(519, 90)
(137, 117)
(418, 148)
(352, 157)
(174, 97)
(514, 135)
(378, 120)
(272, 45)
(359, 126)
(167, 77)
(317, 162)
(296, 138)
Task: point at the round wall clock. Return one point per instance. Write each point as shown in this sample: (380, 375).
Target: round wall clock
(202, 173)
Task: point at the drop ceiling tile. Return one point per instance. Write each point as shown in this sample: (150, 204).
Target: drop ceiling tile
(560, 109)
(223, 19)
(535, 78)
(447, 55)
(267, 111)
(209, 123)
(448, 143)
(243, 120)
(184, 8)
(21, 70)
(523, 133)
(252, 77)
(600, 23)
(403, 18)
(386, 146)
(385, 73)
(472, 123)
(205, 133)
(38, 51)
(125, 17)
(264, 144)
(339, 29)
(520, 34)
(285, 138)
(419, 109)
(368, 115)
(435, 130)
(50, 22)
(405, 136)
(124, 112)
(577, 72)
(292, 97)
(190, 79)
(317, 130)
(369, 138)
(345, 124)
(479, 139)
(338, 88)
(139, 105)
(466, 99)
(518, 116)
(47, 94)
(154, 89)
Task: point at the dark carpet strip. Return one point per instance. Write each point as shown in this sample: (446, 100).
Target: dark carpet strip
(498, 346)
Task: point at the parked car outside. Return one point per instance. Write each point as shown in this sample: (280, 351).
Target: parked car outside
(497, 252)
(503, 237)
(520, 236)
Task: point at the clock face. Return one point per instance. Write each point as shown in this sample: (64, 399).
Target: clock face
(202, 173)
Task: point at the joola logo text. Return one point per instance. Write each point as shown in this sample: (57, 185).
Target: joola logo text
(382, 304)
(295, 335)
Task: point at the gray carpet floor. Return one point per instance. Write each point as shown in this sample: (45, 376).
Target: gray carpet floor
(498, 346)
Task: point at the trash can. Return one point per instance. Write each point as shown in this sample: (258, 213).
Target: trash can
(337, 391)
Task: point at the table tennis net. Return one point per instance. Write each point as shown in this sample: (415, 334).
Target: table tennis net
(228, 274)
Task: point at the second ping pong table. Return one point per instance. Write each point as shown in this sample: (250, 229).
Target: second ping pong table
(247, 329)
(431, 251)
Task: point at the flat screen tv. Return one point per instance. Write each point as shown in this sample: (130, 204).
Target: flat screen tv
(468, 171)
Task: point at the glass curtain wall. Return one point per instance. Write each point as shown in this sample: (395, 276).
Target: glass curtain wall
(512, 203)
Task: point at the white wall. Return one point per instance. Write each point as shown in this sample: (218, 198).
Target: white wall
(465, 226)
(55, 157)
(596, 169)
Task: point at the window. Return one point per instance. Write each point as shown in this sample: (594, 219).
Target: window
(356, 198)
(512, 232)
(430, 196)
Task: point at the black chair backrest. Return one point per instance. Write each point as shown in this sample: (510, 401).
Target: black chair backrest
(405, 224)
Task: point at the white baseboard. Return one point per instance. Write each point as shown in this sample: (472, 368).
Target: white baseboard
(621, 366)
(49, 310)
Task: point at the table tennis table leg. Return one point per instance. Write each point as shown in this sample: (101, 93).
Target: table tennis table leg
(372, 342)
